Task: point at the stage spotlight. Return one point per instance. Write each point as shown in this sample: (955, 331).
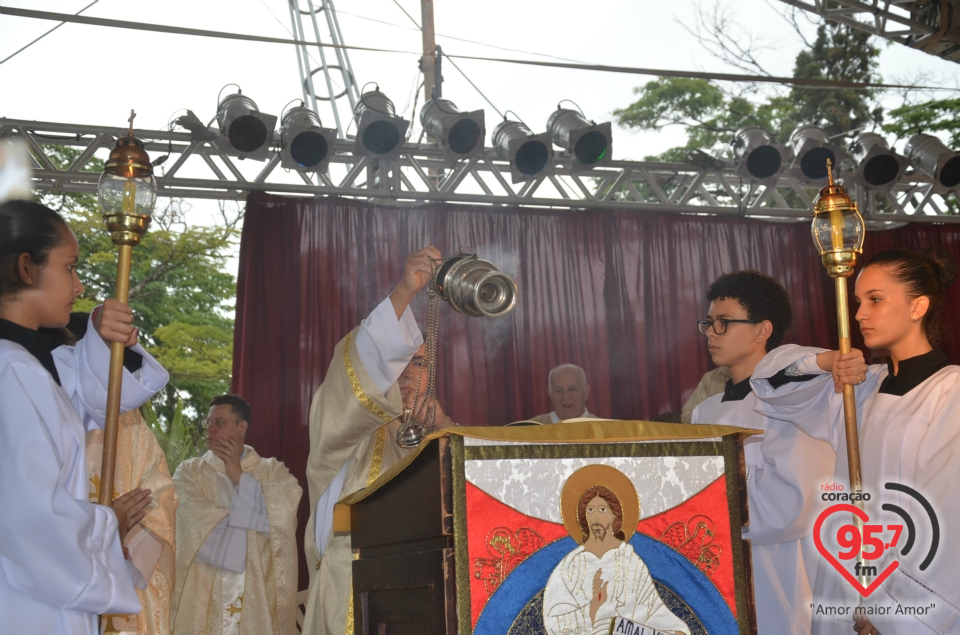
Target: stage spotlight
(380, 133)
(589, 144)
(245, 132)
(811, 149)
(304, 144)
(530, 155)
(757, 156)
(878, 167)
(930, 156)
(460, 133)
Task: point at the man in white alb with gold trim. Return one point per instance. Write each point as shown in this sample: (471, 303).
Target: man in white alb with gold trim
(354, 420)
(236, 534)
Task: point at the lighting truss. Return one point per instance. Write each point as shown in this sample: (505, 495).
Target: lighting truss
(338, 78)
(196, 168)
(919, 25)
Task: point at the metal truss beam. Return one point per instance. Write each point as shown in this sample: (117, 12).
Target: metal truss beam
(339, 74)
(932, 26)
(197, 169)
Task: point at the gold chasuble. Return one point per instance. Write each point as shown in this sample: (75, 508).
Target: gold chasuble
(351, 424)
(141, 463)
(267, 604)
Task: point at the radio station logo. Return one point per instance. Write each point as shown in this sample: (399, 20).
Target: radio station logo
(875, 539)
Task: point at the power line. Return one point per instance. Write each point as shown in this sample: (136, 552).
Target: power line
(47, 33)
(453, 37)
(475, 87)
(726, 77)
(400, 6)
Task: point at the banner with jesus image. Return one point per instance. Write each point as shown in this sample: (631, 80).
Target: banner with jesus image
(568, 539)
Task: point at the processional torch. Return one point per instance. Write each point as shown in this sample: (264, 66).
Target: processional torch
(127, 192)
(473, 287)
(838, 234)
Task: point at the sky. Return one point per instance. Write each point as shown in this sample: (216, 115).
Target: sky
(95, 75)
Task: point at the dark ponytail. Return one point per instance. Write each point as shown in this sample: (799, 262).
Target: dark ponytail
(925, 273)
(26, 228)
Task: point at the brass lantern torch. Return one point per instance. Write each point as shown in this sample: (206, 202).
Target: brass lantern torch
(127, 192)
(838, 234)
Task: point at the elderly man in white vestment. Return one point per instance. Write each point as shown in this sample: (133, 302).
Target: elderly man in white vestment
(236, 534)
(354, 420)
(568, 389)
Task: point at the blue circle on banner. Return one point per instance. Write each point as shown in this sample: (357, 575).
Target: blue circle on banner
(669, 569)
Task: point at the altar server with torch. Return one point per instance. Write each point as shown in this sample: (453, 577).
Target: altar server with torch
(61, 560)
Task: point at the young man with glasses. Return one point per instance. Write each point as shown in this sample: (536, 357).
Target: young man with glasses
(748, 317)
(236, 534)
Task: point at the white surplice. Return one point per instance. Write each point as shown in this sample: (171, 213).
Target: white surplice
(784, 470)
(61, 563)
(912, 440)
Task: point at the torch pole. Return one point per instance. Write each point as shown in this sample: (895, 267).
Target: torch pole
(109, 463)
(838, 233)
(850, 417)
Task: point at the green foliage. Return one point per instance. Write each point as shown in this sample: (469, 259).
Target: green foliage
(180, 440)
(180, 295)
(930, 117)
(711, 115)
(839, 54)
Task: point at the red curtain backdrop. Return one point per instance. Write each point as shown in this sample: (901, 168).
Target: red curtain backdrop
(617, 293)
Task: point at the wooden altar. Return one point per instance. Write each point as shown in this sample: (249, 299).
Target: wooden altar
(462, 536)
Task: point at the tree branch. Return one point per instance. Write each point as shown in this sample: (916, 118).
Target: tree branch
(718, 33)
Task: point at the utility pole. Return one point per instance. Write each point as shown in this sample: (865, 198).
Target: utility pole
(428, 64)
(429, 59)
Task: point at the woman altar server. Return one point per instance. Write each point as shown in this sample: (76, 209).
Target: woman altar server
(909, 422)
(61, 561)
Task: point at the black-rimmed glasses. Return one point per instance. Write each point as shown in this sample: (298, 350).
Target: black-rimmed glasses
(719, 325)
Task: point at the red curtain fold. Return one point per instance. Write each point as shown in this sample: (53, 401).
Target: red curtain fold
(615, 292)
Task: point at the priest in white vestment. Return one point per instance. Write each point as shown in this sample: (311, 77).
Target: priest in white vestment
(61, 561)
(141, 463)
(749, 313)
(236, 535)
(712, 383)
(354, 420)
(568, 389)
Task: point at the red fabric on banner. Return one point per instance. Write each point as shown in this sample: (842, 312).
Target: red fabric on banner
(498, 539)
(615, 292)
(699, 528)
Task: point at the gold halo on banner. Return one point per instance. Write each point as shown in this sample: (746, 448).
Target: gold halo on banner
(609, 477)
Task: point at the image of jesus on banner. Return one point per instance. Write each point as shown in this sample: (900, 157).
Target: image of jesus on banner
(603, 578)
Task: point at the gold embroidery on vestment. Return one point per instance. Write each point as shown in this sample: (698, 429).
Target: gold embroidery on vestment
(377, 461)
(233, 610)
(367, 402)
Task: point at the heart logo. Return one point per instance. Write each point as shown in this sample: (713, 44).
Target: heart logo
(862, 515)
